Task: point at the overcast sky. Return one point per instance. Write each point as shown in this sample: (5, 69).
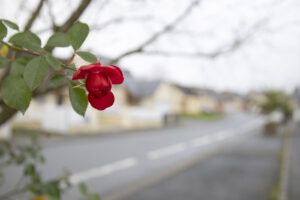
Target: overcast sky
(270, 58)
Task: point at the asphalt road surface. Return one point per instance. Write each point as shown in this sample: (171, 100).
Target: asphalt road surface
(245, 170)
(118, 166)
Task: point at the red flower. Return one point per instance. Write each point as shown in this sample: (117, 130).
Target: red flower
(99, 80)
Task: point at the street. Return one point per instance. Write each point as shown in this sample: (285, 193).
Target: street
(120, 165)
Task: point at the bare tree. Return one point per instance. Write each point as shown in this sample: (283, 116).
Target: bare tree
(143, 48)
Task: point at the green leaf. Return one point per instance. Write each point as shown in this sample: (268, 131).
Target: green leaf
(24, 60)
(42, 159)
(4, 62)
(17, 69)
(52, 189)
(3, 31)
(77, 34)
(59, 40)
(93, 196)
(70, 72)
(83, 188)
(57, 80)
(18, 66)
(53, 62)
(28, 40)
(11, 24)
(15, 93)
(35, 72)
(20, 159)
(78, 99)
(29, 170)
(87, 56)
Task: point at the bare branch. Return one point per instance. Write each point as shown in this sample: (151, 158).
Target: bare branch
(228, 48)
(99, 27)
(51, 15)
(155, 36)
(75, 16)
(211, 55)
(69, 22)
(34, 15)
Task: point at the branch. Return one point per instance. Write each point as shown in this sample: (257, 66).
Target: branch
(155, 36)
(74, 17)
(51, 15)
(38, 54)
(210, 55)
(20, 49)
(7, 112)
(235, 44)
(98, 27)
(34, 15)
(7, 69)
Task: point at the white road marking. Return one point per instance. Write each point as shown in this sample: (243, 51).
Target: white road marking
(103, 170)
(166, 151)
(204, 140)
(223, 135)
(162, 152)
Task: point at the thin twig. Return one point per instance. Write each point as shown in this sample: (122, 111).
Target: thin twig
(71, 59)
(158, 34)
(20, 49)
(34, 15)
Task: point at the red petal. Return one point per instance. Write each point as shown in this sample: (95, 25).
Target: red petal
(79, 75)
(114, 73)
(103, 102)
(98, 85)
(83, 71)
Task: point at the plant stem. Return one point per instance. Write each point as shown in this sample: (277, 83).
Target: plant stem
(68, 67)
(69, 62)
(20, 49)
(71, 59)
(38, 54)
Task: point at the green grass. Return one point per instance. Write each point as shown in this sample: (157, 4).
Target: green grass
(201, 116)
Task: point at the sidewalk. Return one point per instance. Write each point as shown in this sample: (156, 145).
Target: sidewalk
(294, 176)
(244, 171)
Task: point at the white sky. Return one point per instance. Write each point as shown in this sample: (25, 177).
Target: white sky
(270, 59)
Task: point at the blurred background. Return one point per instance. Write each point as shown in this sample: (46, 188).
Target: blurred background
(209, 108)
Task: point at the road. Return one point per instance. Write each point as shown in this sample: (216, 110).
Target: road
(120, 165)
(244, 170)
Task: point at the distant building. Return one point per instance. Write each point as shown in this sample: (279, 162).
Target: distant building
(233, 102)
(138, 104)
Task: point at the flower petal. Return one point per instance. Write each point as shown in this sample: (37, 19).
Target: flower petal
(103, 102)
(114, 73)
(83, 71)
(98, 84)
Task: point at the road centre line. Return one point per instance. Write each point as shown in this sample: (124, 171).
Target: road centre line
(103, 170)
(160, 153)
(223, 134)
(166, 151)
(207, 139)
(204, 140)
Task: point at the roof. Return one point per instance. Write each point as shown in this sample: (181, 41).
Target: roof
(198, 91)
(140, 88)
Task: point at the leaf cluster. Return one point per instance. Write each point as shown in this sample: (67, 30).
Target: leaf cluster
(29, 70)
